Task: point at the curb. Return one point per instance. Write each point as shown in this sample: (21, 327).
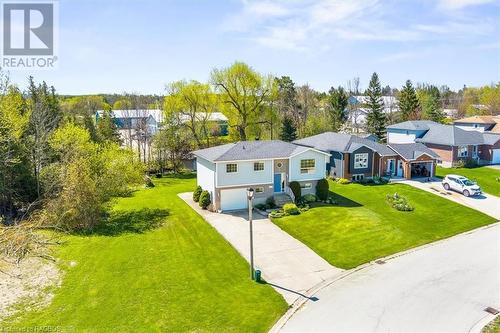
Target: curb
(299, 303)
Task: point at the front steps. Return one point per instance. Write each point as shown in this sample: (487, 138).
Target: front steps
(282, 198)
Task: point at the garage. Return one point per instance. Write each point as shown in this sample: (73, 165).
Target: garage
(233, 199)
(421, 169)
(495, 157)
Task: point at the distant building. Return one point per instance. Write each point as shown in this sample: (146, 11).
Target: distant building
(357, 111)
(480, 123)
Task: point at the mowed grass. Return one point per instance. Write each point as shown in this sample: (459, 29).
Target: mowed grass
(181, 276)
(485, 177)
(363, 227)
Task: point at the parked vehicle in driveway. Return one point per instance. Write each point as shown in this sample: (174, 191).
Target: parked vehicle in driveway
(461, 184)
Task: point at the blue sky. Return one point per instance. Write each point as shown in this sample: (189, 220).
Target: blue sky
(139, 46)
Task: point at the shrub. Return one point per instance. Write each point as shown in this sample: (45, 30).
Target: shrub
(308, 198)
(197, 193)
(399, 202)
(276, 213)
(270, 202)
(377, 180)
(498, 179)
(261, 206)
(343, 181)
(470, 163)
(205, 199)
(159, 175)
(295, 187)
(291, 209)
(322, 189)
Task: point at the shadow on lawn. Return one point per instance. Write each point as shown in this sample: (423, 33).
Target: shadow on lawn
(343, 201)
(135, 221)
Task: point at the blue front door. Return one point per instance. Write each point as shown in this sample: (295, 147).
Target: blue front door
(277, 182)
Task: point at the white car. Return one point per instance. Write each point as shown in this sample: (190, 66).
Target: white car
(461, 184)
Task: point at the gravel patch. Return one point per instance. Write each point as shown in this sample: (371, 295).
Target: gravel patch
(30, 282)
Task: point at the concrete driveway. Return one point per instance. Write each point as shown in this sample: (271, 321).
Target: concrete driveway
(442, 287)
(486, 203)
(286, 263)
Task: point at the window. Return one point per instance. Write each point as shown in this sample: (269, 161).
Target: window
(358, 177)
(462, 151)
(258, 166)
(231, 167)
(306, 186)
(361, 161)
(259, 189)
(307, 166)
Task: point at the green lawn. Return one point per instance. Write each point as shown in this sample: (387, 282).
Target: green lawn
(364, 227)
(181, 276)
(484, 176)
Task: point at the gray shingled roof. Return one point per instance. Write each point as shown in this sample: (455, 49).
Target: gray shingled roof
(491, 138)
(347, 143)
(451, 136)
(250, 150)
(415, 125)
(411, 151)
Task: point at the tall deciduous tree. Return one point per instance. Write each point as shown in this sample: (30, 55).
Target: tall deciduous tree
(191, 103)
(408, 102)
(375, 119)
(337, 107)
(244, 91)
(288, 130)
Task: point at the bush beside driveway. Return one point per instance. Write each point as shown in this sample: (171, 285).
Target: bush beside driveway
(363, 227)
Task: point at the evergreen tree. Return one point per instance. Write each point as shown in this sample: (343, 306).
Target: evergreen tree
(375, 119)
(337, 100)
(288, 130)
(429, 97)
(107, 129)
(408, 102)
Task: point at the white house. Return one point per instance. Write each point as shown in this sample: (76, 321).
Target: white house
(267, 166)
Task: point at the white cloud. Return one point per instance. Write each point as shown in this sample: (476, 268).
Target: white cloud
(309, 25)
(460, 4)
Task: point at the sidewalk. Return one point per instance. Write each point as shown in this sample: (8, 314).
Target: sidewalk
(287, 264)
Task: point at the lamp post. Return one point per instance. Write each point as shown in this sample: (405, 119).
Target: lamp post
(250, 193)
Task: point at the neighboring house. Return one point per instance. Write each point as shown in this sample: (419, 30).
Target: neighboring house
(480, 123)
(414, 160)
(357, 111)
(451, 143)
(268, 167)
(357, 158)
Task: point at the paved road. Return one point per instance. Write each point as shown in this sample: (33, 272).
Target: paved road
(443, 287)
(486, 203)
(290, 266)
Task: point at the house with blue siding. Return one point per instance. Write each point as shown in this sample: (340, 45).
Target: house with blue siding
(267, 166)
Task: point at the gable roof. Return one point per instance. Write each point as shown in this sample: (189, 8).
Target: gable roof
(451, 136)
(346, 143)
(491, 138)
(252, 150)
(478, 120)
(412, 151)
(413, 125)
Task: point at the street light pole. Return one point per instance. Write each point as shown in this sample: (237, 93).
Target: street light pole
(250, 193)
